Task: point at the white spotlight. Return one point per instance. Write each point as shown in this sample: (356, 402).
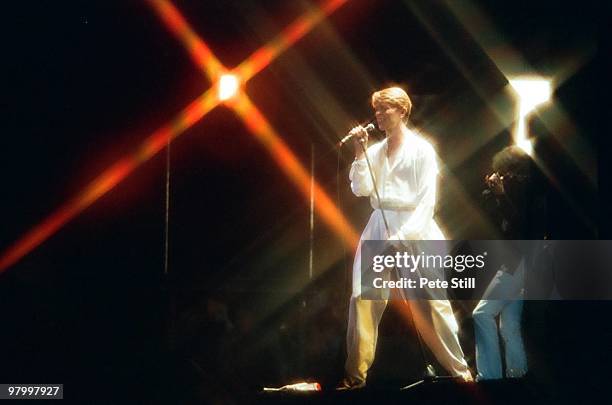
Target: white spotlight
(228, 86)
(532, 92)
(526, 145)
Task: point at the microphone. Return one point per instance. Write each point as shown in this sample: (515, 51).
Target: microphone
(368, 128)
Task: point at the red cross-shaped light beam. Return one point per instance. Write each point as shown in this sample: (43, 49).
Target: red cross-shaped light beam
(254, 120)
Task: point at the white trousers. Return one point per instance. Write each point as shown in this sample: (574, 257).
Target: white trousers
(488, 354)
(434, 319)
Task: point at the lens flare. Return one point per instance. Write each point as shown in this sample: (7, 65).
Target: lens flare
(293, 168)
(199, 51)
(228, 87)
(225, 86)
(531, 92)
(287, 38)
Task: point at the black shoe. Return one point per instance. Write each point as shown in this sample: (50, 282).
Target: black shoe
(348, 385)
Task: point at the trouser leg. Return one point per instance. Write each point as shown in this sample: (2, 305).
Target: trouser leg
(436, 323)
(510, 330)
(361, 337)
(488, 356)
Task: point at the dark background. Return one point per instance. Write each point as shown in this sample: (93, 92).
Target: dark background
(84, 83)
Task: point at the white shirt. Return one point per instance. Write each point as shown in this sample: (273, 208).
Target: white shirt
(407, 182)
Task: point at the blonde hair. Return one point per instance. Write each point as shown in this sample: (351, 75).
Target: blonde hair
(394, 96)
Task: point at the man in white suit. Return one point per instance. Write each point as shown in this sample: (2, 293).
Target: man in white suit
(405, 170)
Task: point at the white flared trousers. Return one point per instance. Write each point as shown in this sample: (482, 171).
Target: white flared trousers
(434, 319)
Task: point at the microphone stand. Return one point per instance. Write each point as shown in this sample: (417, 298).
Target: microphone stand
(166, 282)
(382, 211)
(429, 375)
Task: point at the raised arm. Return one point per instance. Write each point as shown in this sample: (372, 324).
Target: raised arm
(361, 181)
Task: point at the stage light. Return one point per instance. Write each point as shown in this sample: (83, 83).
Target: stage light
(228, 87)
(532, 92)
(526, 145)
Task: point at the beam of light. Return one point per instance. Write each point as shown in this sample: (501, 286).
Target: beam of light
(252, 117)
(510, 62)
(327, 113)
(109, 179)
(289, 163)
(207, 61)
(531, 92)
(289, 36)
(525, 144)
(228, 87)
(200, 53)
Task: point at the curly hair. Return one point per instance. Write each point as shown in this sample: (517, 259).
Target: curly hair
(512, 160)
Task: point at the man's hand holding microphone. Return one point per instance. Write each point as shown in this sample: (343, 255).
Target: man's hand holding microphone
(359, 135)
